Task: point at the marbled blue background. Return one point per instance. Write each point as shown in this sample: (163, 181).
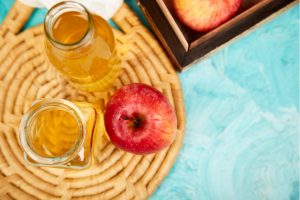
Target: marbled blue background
(242, 106)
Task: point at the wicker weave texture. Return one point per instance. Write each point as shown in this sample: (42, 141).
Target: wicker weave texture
(25, 75)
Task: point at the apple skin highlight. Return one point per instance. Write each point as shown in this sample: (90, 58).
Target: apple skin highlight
(140, 119)
(205, 15)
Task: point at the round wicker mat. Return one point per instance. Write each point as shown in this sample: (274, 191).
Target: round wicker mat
(25, 75)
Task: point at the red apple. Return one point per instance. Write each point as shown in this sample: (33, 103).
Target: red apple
(140, 119)
(205, 15)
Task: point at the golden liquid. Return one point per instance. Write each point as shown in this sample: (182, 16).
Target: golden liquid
(55, 132)
(92, 66)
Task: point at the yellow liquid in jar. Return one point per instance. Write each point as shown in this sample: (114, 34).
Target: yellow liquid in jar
(55, 132)
(93, 65)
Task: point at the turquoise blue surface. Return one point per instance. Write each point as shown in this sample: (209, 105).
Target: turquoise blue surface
(242, 106)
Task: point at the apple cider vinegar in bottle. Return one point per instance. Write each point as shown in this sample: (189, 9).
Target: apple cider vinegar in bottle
(81, 46)
(60, 133)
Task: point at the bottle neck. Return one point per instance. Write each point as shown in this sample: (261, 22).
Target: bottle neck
(54, 16)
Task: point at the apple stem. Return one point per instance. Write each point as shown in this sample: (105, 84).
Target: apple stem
(134, 122)
(126, 118)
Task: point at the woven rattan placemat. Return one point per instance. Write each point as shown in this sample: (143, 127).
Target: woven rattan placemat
(25, 75)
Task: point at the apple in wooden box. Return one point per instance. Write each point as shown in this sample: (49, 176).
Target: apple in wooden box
(204, 15)
(190, 29)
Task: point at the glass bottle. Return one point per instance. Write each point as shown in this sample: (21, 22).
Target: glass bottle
(81, 46)
(60, 133)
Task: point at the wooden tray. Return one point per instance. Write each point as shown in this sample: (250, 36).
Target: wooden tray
(25, 75)
(185, 45)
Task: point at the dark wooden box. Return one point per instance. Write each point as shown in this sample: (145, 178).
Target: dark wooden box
(185, 45)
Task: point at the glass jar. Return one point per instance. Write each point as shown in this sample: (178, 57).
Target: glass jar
(59, 133)
(81, 46)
